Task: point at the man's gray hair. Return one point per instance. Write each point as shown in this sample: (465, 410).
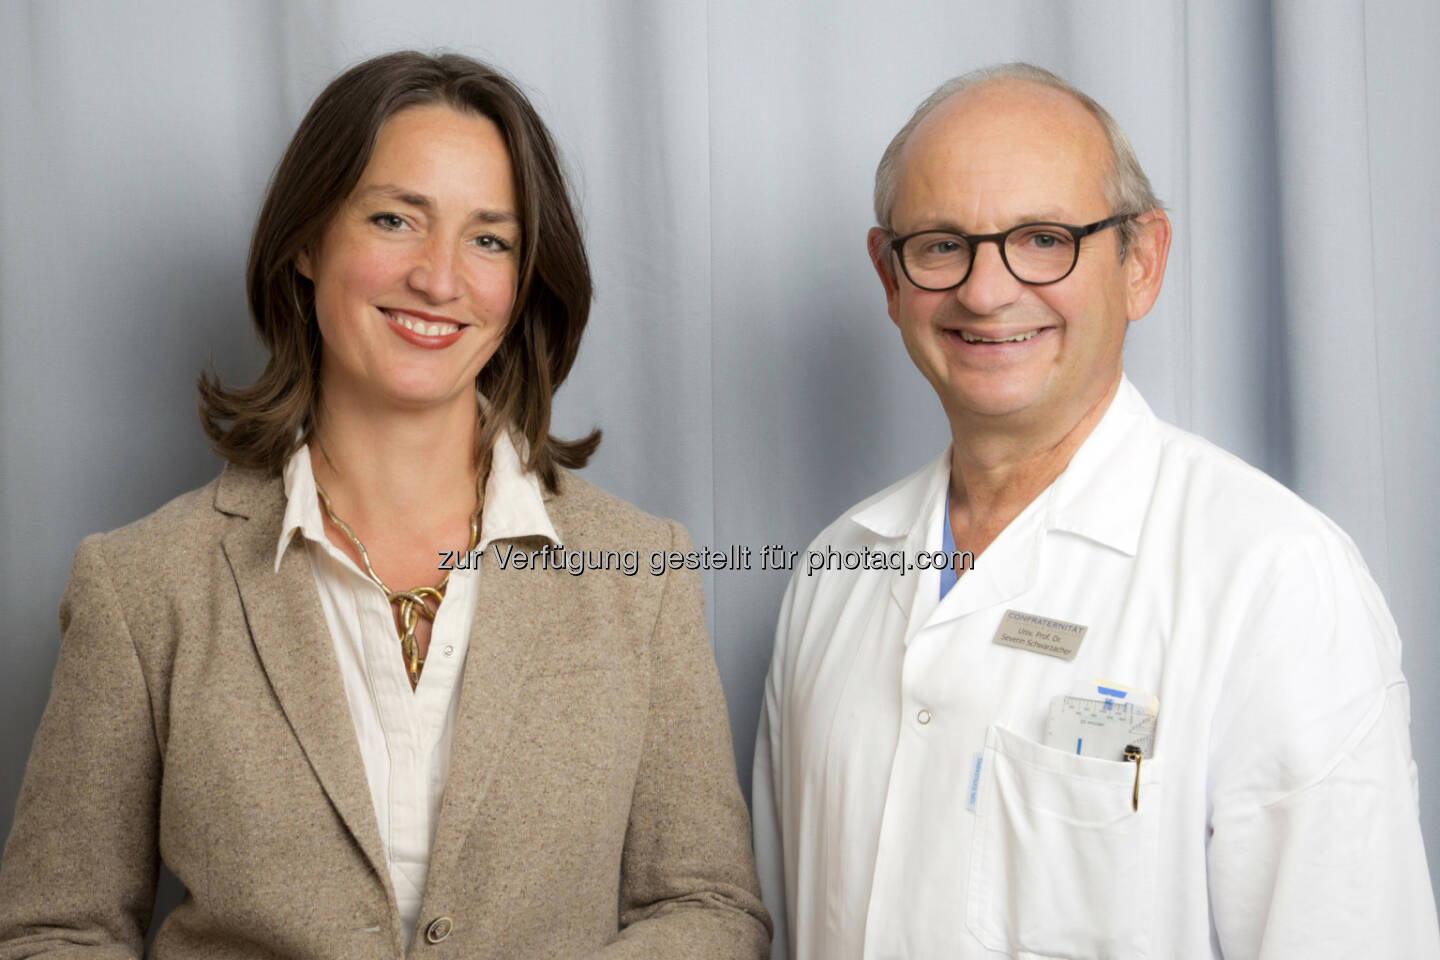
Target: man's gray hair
(1127, 189)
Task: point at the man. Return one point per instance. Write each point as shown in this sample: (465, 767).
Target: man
(1163, 715)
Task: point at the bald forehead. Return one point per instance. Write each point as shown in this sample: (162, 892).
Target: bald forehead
(1000, 153)
(1011, 109)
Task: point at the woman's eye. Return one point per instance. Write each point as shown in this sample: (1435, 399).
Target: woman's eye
(388, 221)
(489, 241)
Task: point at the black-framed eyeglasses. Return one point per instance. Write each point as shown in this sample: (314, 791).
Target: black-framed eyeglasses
(1034, 253)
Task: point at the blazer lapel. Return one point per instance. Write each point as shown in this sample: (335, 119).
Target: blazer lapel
(512, 610)
(282, 610)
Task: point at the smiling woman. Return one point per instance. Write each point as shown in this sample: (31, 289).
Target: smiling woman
(379, 120)
(269, 685)
(434, 257)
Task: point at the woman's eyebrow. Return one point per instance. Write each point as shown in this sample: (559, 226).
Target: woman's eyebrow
(393, 192)
(494, 216)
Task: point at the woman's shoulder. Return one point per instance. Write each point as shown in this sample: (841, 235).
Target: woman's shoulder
(193, 521)
(584, 514)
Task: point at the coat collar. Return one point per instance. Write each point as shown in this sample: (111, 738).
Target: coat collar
(1103, 494)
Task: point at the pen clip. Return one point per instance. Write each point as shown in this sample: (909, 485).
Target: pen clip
(1132, 752)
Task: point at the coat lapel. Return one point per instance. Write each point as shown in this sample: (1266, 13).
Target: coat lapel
(513, 610)
(282, 610)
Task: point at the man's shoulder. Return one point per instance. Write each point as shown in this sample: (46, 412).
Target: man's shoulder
(878, 523)
(887, 514)
(1249, 541)
(1232, 499)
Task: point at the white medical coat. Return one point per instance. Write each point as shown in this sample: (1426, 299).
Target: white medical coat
(1278, 813)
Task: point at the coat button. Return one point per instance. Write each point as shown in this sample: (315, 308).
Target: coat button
(923, 717)
(439, 929)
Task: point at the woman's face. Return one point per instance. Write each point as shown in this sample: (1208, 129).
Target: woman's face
(415, 275)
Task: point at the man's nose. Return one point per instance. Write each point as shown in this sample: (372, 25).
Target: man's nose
(435, 272)
(991, 286)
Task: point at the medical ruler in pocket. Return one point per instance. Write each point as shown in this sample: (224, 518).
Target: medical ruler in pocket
(1099, 728)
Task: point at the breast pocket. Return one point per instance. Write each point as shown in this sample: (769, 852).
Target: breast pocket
(1062, 865)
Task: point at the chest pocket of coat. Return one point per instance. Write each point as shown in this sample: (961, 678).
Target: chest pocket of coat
(1061, 865)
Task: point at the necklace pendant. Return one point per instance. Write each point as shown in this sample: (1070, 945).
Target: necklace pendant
(412, 604)
(410, 647)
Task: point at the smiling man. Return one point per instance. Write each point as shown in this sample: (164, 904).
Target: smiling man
(1163, 715)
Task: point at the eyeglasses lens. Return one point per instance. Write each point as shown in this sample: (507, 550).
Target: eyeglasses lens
(1036, 253)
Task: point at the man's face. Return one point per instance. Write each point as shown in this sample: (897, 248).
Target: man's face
(1008, 153)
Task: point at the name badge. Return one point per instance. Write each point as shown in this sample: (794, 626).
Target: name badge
(1026, 631)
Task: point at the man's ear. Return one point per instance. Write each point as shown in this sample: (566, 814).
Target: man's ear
(1145, 263)
(877, 242)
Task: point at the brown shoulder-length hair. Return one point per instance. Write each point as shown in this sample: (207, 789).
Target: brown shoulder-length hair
(256, 426)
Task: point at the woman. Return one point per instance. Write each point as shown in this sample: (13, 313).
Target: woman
(339, 749)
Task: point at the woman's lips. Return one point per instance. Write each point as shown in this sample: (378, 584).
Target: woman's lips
(430, 334)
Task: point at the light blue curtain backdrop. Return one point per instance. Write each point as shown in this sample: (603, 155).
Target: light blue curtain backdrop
(739, 356)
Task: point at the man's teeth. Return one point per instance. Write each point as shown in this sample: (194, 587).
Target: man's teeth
(969, 337)
(423, 328)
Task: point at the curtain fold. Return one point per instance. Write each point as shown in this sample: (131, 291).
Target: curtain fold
(1331, 363)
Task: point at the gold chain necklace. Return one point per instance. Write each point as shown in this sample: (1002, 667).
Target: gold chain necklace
(415, 603)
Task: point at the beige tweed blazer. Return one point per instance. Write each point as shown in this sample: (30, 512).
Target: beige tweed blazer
(197, 716)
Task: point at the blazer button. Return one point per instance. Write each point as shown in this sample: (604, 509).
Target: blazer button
(439, 929)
